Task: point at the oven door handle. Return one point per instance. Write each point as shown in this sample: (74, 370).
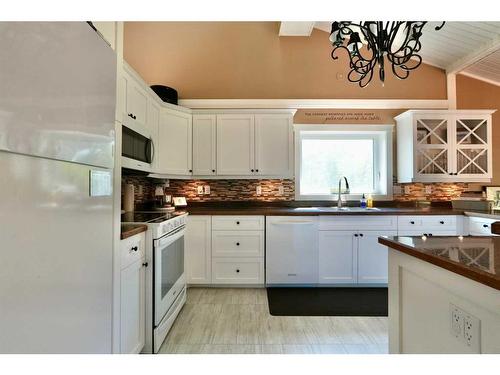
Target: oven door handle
(170, 238)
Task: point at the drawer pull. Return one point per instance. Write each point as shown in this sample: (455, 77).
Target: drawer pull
(237, 271)
(135, 248)
(237, 244)
(145, 264)
(485, 225)
(441, 222)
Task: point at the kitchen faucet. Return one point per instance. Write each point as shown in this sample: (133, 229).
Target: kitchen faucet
(346, 191)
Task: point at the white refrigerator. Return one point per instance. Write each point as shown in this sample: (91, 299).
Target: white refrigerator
(57, 115)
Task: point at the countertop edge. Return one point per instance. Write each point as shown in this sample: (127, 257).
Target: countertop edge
(472, 274)
(132, 231)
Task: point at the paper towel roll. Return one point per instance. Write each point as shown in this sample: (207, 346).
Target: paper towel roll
(128, 197)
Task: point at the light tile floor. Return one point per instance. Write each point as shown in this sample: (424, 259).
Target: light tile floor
(237, 321)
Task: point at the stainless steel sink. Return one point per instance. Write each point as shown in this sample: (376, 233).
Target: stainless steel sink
(347, 209)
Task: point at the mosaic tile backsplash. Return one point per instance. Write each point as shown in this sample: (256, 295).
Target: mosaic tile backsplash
(245, 190)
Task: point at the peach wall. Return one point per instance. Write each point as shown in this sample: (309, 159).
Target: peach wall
(248, 60)
(476, 94)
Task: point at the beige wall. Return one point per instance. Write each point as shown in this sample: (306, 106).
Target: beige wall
(475, 94)
(225, 60)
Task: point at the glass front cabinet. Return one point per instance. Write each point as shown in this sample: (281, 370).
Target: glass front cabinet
(444, 146)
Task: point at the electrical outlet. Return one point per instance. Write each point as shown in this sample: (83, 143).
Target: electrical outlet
(200, 190)
(207, 189)
(472, 329)
(281, 190)
(466, 328)
(457, 321)
(407, 190)
(428, 189)
(258, 190)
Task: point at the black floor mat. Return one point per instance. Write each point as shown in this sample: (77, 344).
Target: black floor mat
(327, 301)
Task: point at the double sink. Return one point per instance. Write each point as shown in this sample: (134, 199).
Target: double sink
(337, 209)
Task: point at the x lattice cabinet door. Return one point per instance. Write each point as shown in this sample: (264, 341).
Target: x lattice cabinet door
(472, 146)
(432, 147)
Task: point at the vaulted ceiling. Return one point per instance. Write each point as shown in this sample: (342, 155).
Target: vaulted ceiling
(472, 48)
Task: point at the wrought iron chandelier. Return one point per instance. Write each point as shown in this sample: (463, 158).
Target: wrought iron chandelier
(399, 41)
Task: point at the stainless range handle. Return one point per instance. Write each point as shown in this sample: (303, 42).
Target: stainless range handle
(170, 238)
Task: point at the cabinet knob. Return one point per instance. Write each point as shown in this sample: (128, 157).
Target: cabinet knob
(145, 264)
(237, 271)
(256, 170)
(237, 223)
(425, 234)
(441, 222)
(355, 235)
(361, 234)
(430, 234)
(190, 171)
(485, 225)
(237, 244)
(213, 170)
(251, 170)
(135, 248)
(412, 222)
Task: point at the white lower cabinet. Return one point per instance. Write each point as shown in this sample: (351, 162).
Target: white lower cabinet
(372, 258)
(337, 257)
(352, 257)
(198, 249)
(225, 250)
(132, 295)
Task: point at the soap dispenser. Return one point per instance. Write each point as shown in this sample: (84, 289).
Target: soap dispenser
(362, 202)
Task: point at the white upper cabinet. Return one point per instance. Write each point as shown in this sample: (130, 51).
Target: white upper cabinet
(254, 145)
(444, 146)
(136, 101)
(175, 143)
(204, 144)
(235, 144)
(274, 145)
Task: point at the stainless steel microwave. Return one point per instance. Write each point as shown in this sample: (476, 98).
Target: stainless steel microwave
(138, 150)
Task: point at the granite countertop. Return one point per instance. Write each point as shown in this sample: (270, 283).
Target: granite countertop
(129, 230)
(315, 209)
(477, 258)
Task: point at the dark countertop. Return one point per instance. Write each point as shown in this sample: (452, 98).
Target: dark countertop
(477, 258)
(129, 230)
(238, 208)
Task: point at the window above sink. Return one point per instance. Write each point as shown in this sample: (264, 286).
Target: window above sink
(325, 153)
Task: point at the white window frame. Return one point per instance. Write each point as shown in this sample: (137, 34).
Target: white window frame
(383, 154)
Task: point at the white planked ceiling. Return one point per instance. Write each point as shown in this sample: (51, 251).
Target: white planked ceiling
(487, 69)
(458, 45)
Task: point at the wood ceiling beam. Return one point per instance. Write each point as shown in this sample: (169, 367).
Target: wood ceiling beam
(296, 28)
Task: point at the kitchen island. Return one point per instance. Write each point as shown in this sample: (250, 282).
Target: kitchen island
(444, 294)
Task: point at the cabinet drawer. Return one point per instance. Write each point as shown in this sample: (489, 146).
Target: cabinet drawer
(347, 222)
(132, 249)
(237, 222)
(238, 243)
(237, 270)
(480, 226)
(427, 223)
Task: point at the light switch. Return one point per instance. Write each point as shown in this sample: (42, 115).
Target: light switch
(200, 190)
(258, 190)
(207, 189)
(281, 190)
